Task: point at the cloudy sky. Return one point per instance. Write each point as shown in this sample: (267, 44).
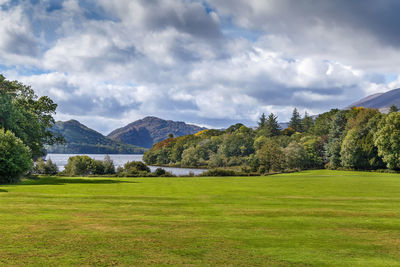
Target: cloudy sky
(213, 63)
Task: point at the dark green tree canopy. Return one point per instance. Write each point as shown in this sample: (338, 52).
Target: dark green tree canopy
(261, 122)
(307, 122)
(295, 121)
(15, 157)
(272, 125)
(26, 115)
(393, 108)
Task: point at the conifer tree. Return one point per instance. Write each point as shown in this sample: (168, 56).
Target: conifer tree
(295, 121)
(261, 123)
(272, 125)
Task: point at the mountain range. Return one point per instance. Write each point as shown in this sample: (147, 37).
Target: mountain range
(381, 101)
(151, 130)
(134, 138)
(137, 136)
(80, 139)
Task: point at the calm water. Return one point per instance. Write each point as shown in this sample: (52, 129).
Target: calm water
(119, 160)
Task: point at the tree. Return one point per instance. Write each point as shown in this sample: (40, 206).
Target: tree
(271, 157)
(393, 108)
(238, 144)
(15, 158)
(307, 122)
(134, 169)
(322, 122)
(358, 150)
(108, 164)
(80, 165)
(47, 167)
(295, 156)
(288, 131)
(27, 116)
(295, 121)
(272, 125)
(335, 137)
(190, 157)
(262, 121)
(387, 139)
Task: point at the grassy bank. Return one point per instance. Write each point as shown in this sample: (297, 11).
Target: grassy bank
(307, 218)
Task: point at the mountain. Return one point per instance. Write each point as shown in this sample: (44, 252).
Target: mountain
(81, 139)
(381, 101)
(151, 130)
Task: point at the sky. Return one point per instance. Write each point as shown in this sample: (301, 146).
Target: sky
(211, 63)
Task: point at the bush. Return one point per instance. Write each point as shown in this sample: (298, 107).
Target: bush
(47, 167)
(80, 165)
(84, 165)
(98, 167)
(160, 172)
(134, 169)
(15, 158)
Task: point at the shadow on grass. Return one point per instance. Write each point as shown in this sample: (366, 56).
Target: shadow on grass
(62, 181)
(3, 191)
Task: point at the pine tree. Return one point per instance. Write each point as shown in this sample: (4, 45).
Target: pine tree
(295, 121)
(261, 123)
(272, 125)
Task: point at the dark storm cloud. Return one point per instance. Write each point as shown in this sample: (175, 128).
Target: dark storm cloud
(93, 106)
(379, 18)
(192, 18)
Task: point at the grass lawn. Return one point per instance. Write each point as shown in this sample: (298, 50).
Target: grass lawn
(312, 218)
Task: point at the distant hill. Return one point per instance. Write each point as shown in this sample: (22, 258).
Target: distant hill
(81, 139)
(381, 101)
(151, 130)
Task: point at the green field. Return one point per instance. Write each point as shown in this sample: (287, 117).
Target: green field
(318, 218)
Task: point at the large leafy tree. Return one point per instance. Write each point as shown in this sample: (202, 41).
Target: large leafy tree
(387, 139)
(15, 157)
(322, 123)
(271, 157)
(358, 150)
(27, 116)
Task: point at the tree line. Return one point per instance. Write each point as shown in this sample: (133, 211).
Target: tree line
(358, 139)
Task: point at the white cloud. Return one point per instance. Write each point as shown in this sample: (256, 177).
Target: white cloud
(171, 59)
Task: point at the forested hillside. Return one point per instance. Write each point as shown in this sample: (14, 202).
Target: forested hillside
(81, 139)
(359, 138)
(151, 130)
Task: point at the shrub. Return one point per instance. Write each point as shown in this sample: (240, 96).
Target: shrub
(47, 167)
(80, 165)
(134, 169)
(160, 172)
(98, 167)
(15, 157)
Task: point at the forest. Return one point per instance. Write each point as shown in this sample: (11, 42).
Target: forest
(355, 139)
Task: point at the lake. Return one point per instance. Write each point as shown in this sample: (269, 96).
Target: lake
(119, 160)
